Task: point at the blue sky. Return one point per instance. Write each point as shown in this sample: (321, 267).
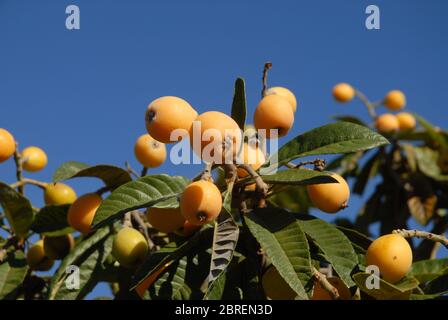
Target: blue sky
(81, 95)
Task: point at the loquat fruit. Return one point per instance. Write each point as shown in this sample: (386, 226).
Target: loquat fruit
(285, 93)
(274, 112)
(59, 194)
(82, 211)
(129, 247)
(165, 220)
(7, 145)
(58, 247)
(187, 229)
(387, 123)
(275, 287)
(320, 293)
(36, 258)
(149, 152)
(330, 197)
(34, 159)
(343, 92)
(406, 121)
(395, 100)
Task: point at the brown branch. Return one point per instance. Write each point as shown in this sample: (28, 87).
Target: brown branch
(261, 186)
(25, 181)
(422, 234)
(319, 164)
(130, 170)
(267, 66)
(325, 284)
(19, 168)
(141, 226)
(370, 106)
(206, 174)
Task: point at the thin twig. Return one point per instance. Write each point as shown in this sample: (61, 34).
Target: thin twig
(370, 106)
(130, 170)
(319, 164)
(422, 234)
(25, 181)
(205, 174)
(325, 284)
(261, 186)
(141, 226)
(127, 220)
(267, 66)
(19, 168)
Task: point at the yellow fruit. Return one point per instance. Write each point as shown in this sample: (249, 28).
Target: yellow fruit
(34, 159)
(212, 132)
(274, 112)
(7, 145)
(406, 121)
(82, 211)
(187, 229)
(387, 123)
(58, 247)
(166, 114)
(36, 258)
(253, 156)
(395, 100)
(343, 92)
(285, 93)
(165, 220)
(201, 202)
(149, 152)
(275, 287)
(59, 194)
(392, 254)
(330, 197)
(320, 293)
(129, 247)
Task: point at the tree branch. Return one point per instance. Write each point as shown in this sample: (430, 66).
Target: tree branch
(267, 66)
(422, 234)
(19, 168)
(325, 284)
(24, 181)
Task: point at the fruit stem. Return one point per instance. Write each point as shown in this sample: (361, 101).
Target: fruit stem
(267, 66)
(422, 234)
(322, 279)
(370, 106)
(24, 181)
(130, 170)
(144, 172)
(206, 174)
(19, 168)
(261, 186)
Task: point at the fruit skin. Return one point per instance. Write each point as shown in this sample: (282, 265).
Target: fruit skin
(129, 247)
(395, 100)
(166, 114)
(34, 159)
(58, 247)
(212, 129)
(187, 229)
(330, 197)
(320, 293)
(36, 258)
(82, 211)
(165, 220)
(149, 152)
(59, 194)
(285, 93)
(343, 92)
(275, 287)
(253, 156)
(201, 202)
(406, 121)
(387, 123)
(7, 145)
(274, 112)
(393, 256)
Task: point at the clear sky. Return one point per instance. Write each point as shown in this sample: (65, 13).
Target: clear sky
(81, 94)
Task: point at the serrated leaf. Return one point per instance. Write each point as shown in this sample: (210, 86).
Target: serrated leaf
(340, 137)
(336, 247)
(386, 291)
(284, 242)
(75, 257)
(17, 208)
(90, 267)
(111, 175)
(239, 103)
(427, 270)
(51, 219)
(351, 119)
(12, 273)
(298, 177)
(141, 193)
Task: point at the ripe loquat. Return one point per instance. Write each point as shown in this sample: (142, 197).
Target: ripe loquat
(406, 121)
(387, 123)
(7, 145)
(34, 159)
(201, 202)
(59, 194)
(275, 287)
(330, 197)
(82, 211)
(149, 152)
(395, 100)
(285, 93)
(165, 220)
(343, 92)
(253, 156)
(36, 258)
(274, 112)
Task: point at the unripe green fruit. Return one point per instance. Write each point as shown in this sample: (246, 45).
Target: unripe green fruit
(129, 247)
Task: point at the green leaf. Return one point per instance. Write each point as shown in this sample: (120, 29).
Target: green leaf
(12, 273)
(216, 289)
(51, 219)
(90, 268)
(369, 170)
(298, 177)
(141, 193)
(437, 285)
(427, 296)
(435, 134)
(345, 164)
(225, 238)
(112, 176)
(357, 238)
(79, 253)
(427, 162)
(427, 270)
(336, 247)
(284, 242)
(351, 119)
(17, 208)
(291, 197)
(239, 103)
(340, 137)
(386, 291)
(170, 253)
